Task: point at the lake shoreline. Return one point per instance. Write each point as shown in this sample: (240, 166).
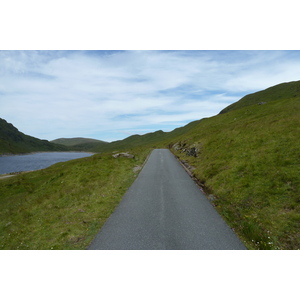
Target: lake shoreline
(15, 154)
(17, 163)
(7, 175)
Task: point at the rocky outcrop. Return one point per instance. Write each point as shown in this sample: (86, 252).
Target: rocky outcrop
(136, 169)
(192, 150)
(123, 154)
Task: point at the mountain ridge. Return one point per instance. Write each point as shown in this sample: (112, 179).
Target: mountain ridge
(12, 141)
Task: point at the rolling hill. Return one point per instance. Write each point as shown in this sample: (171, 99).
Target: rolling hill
(82, 144)
(76, 141)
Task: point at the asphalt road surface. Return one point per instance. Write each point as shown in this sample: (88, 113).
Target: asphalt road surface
(165, 209)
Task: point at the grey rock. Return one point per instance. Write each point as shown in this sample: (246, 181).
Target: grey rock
(211, 198)
(137, 169)
(123, 154)
(192, 152)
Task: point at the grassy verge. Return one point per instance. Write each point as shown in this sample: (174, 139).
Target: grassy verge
(249, 159)
(65, 205)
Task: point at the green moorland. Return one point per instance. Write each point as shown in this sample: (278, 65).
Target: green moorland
(65, 205)
(249, 159)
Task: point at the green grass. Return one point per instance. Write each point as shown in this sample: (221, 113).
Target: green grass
(249, 159)
(65, 205)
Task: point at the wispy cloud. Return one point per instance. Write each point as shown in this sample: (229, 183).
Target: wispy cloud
(108, 94)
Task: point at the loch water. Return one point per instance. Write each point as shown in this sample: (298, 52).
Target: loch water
(36, 161)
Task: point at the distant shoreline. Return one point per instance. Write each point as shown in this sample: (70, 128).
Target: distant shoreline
(7, 175)
(14, 154)
(14, 164)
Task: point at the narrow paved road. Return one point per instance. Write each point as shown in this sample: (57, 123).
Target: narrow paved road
(165, 209)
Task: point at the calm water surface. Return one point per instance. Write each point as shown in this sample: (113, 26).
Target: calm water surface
(36, 161)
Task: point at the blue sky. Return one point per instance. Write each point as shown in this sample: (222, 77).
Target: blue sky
(110, 95)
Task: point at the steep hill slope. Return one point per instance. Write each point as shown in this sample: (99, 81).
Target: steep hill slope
(248, 159)
(281, 91)
(12, 141)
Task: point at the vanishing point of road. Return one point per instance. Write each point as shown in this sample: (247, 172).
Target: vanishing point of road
(165, 209)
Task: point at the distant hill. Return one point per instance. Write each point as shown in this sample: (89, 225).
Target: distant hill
(76, 141)
(132, 141)
(12, 141)
(81, 144)
(152, 139)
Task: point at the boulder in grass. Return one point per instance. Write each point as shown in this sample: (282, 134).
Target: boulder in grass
(123, 154)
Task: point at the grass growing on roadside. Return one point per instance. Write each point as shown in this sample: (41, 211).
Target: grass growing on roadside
(65, 205)
(250, 160)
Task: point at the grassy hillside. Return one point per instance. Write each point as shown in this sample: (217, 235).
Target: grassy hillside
(12, 141)
(133, 141)
(153, 140)
(249, 160)
(281, 91)
(65, 205)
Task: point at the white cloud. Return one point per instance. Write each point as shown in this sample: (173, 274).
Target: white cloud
(51, 94)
